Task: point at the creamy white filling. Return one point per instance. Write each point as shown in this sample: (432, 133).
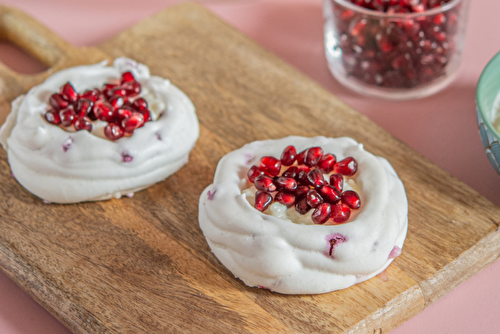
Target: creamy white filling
(68, 167)
(273, 252)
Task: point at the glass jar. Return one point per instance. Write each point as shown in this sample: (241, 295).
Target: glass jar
(394, 55)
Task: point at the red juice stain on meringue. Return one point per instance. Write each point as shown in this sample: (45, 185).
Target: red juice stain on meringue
(211, 194)
(67, 144)
(332, 241)
(126, 157)
(395, 252)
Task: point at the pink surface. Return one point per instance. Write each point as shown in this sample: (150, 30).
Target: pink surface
(442, 127)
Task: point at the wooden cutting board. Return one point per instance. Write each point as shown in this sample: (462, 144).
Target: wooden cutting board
(141, 264)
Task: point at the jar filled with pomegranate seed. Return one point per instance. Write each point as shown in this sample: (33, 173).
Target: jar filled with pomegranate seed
(395, 49)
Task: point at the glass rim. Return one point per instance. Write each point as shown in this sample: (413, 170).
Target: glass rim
(479, 103)
(370, 12)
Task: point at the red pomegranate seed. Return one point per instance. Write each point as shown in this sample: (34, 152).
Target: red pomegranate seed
(302, 207)
(104, 111)
(82, 123)
(340, 213)
(285, 183)
(68, 116)
(315, 178)
(140, 103)
(301, 192)
(131, 88)
(322, 213)
(135, 121)
(302, 172)
(288, 156)
(52, 116)
(83, 107)
(286, 199)
(127, 76)
(330, 194)
(107, 88)
(346, 167)
(265, 183)
(69, 93)
(270, 165)
(262, 200)
(290, 172)
(351, 199)
(253, 172)
(146, 113)
(300, 157)
(90, 95)
(326, 163)
(58, 102)
(123, 113)
(117, 91)
(313, 156)
(337, 181)
(113, 131)
(313, 198)
(116, 101)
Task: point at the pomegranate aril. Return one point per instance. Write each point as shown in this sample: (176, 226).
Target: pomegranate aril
(68, 116)
(288, 156)
(146, 113)
(340, 213)
(337, 181)
(326, 163)
(123, 113)
(107, 88)
(136, 120)
(301, 192)
(284, 198)
(90, 95)
(140, 103)
(330, 194)
(322, 213)
(270, 165)
(58, 102)
(127, 76)
(253, 172)
(265, 183)
(346, 167)
(285, 183)
(83, 107)
(302, 207)
(351, 199)
(116, 101)
(52, 116)
(291, 172)
(313, 198)
(315, 178)
(69, 93)
(313, 156)
(262, 200)
(302, 172)
(82, 123)
(300, 157)
(113, 131)
(104, 111)
(131, 88)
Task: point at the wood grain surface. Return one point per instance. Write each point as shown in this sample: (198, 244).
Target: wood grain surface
(141, 264)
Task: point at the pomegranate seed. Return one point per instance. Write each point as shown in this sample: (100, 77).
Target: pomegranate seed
(113, 131)
(265, 183)
(300, 157)
(82, 124)
(285, 183)
(117, 91)
(68, 116)
(123, 113)
(346, 167)
(315, 178)
(286, 199)
(107, 88)
(135, 121)
(322, 213)
(146, 114)
(301, 192)
(253, 172)
(90, 95)
(83, 107)
(313, 198)
(326, 163)
(351, 199)
(140, 103)
(131, 88)
(52, 116)
(58, 102)
(262, 200)
(340, 213)
(313, 156)
(270, 165)
(69, 93)
(302, 172)
(116, 101)
(288, 156)
(302, 207)
(290, 172)
(127, 76)
(330, 194)
(337, 181)
(104, 111)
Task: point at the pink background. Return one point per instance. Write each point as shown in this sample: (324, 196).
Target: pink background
(442, 127)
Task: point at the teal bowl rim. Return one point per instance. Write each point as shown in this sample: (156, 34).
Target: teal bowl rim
(480, 107)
